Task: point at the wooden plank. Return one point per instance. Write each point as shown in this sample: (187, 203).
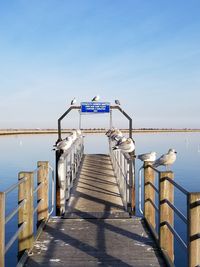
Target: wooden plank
(166, 214)
(194, 229)
(96, 189)
(89, 242)
(42, 194)
(97, 230)
(149, 195)
(25, 214)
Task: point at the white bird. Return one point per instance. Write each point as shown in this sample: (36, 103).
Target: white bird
(73, 135)
(147, 156)
(116, 135)
(64, 144)
(96, 98)
(110, 131)
(121, 140)
(127, 146)
(166, 159)
(78, 131)
(73, 101)
(117, 102)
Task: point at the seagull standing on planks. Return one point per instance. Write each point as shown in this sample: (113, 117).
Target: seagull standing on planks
(166, 159)
(96, 98)
(73, 102)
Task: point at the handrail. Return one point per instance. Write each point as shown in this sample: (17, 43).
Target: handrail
(123, 166)
(67, 167)
(15, 236)
(166, 210)
(12, 214)
(12, 187)
(25, 208)
(176, 185)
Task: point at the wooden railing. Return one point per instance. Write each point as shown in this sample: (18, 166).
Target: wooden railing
(123, 166)
(26, 210)
(160, 217)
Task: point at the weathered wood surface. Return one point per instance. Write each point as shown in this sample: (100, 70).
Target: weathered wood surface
(95, 193)
(96, 231)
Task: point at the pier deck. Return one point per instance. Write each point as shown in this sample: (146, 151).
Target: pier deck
(95, 230)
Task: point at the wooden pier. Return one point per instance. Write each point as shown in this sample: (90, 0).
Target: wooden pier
(95, 222)
(95, 229)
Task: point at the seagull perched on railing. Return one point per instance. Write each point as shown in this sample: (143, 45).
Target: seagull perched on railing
(166, 159)
(73, 102)
(127, 146)
(78, 131)
(110, 131)
(73, 135)
(96, 98)
(147, 156)
(121, 140)
(116, 135)
(117, 102)
(64, 144)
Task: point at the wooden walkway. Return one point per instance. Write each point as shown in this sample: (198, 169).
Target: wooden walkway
(96, 230)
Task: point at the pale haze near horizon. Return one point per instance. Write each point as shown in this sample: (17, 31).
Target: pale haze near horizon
(144, 53)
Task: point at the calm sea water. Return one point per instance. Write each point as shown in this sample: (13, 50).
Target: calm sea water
(21, 153)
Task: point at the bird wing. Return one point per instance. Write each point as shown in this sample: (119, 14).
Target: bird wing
(162, 160)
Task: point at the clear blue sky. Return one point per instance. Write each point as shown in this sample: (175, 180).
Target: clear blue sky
(144, 52)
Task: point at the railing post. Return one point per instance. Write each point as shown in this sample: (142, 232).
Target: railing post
(132, 186)
(166, 237)
(2, 229)
(194, 229)
(25, 214)
(149, 194)
(58, 204)
(42, 194)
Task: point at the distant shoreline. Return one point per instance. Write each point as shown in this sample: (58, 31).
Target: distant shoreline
(55, 131)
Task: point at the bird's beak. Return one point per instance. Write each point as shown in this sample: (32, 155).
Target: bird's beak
(175, 152)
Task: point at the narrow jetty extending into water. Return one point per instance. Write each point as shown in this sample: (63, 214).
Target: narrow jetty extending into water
(95, 222)
(95, 229)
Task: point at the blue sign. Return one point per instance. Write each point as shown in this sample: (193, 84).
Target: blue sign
(95, 107)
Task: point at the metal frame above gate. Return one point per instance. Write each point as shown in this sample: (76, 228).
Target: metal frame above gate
(79, 108)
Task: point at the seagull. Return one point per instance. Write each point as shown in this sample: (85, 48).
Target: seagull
(96, 98)
(78, 131)
(73, 101)
(111, 131)
(166, 159)
(117, 102)
(73, 135)
(127, 146)
(64, 144)
(147, 156)
(116, 135)
(121, 140)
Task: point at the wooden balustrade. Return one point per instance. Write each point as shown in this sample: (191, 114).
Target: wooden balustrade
(165, 217)
(25, 233)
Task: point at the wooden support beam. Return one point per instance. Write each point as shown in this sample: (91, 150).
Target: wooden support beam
(25, 214)
(166, 237)
(42, 194)
(2, 229)
(149, 195)
(194, 229)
